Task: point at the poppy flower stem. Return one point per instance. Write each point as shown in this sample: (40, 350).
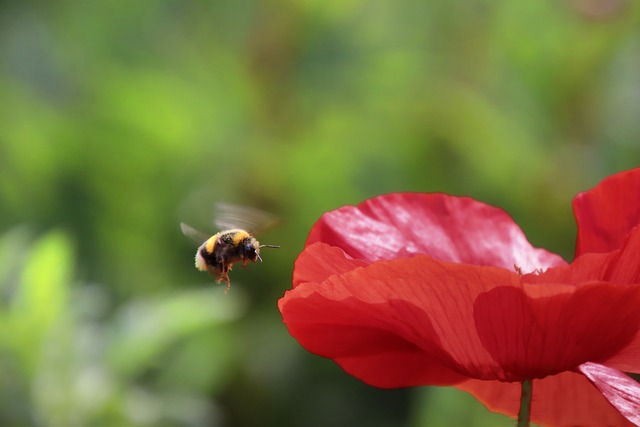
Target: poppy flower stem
(525, 403)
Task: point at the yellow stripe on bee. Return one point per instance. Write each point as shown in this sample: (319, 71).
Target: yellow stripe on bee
(211, 243)
(239, 236)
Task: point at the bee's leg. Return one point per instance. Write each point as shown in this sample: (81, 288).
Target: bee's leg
(224, 268)
(245, 262)
(224, 275)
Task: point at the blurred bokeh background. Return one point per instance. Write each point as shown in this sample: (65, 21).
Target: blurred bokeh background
(119, 119)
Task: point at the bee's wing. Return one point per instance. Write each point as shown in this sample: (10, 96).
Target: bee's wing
(197, 236)
(228, 216)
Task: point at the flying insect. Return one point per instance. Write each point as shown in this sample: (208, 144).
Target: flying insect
(217, 254)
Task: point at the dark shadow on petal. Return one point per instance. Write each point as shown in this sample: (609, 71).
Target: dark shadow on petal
(537, 337)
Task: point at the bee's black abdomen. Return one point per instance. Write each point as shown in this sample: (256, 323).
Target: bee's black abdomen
(210, 258)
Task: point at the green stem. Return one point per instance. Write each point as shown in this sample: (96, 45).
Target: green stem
(525, 403)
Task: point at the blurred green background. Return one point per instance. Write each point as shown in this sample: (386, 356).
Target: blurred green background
(120, 119)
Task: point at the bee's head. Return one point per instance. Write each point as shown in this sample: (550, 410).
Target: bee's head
(252, 249)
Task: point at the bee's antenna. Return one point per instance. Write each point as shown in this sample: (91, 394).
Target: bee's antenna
(269, 246)
(260, 258)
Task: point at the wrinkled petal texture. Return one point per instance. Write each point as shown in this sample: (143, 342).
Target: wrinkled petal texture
(619, 389)
(419, 321)
(448, 228)
(566, 399)
(607, 213)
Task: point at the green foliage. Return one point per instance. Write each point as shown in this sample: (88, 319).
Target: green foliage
(69, 367)
(119, 120)
(441, 407)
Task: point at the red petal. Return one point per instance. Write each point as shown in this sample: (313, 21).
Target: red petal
(540, 330)
(607, 212)
(628, 358)
(319, 261)
(421, 321)
(448, 228)
(397, 323)
(621, 267)
(567, 399)
(619, 389)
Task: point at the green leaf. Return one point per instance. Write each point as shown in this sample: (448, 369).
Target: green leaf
(45, 282)
(40, 299)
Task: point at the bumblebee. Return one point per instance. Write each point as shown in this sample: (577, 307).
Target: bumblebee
(217, 254)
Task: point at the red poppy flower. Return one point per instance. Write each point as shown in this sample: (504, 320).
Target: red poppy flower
(429, 289)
